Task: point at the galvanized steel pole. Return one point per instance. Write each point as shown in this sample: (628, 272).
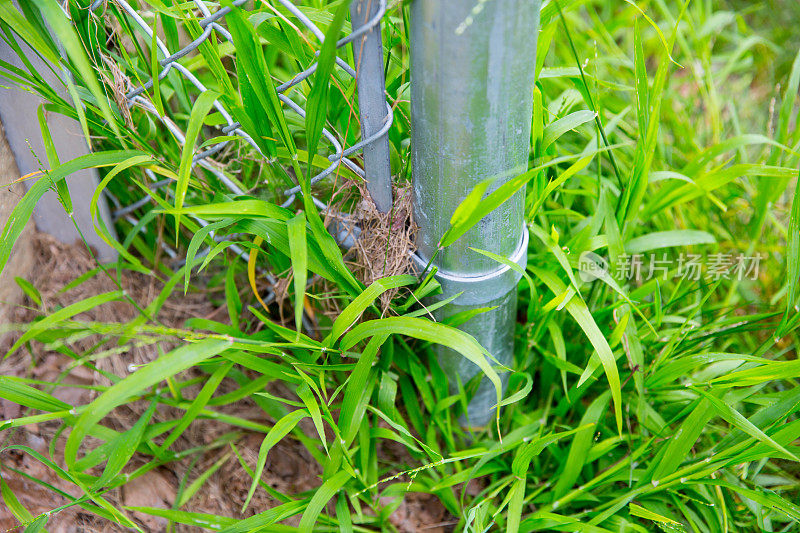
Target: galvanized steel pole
(472, 75)
(368, 54)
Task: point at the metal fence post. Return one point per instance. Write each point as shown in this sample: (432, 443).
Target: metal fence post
(368, 54)
(472, 79)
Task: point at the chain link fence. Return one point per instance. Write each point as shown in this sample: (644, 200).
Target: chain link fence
(170, 61)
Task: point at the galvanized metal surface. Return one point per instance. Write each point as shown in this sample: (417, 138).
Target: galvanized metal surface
(368, 54)
(495, 331)
(472, 65)
(474, 288)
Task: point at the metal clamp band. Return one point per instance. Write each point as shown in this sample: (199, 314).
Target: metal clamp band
(481, 288)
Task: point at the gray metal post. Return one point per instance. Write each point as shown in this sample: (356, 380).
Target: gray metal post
(18, 116)
(472, 78)
(368, 53)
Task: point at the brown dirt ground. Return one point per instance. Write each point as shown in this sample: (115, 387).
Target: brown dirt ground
(290, 467)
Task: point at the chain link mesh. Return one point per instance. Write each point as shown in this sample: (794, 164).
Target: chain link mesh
(170, 62)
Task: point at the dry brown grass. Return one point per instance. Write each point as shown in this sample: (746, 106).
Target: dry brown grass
(383, 248)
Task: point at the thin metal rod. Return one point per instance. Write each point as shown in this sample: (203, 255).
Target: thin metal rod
(472, 75)
(368, 54)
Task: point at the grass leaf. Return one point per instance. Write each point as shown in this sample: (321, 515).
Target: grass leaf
(200, 109)
(353, 311)
(316, 109)
(66, 33)
(170, 364)
(577, 308)
(281, 428)
(735, 418)
(461, 342)
(320, 499)
(296, 228)
(22, 211)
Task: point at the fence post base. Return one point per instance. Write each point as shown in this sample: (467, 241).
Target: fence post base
(472, 75)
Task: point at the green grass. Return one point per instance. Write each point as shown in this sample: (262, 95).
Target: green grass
(658, 128)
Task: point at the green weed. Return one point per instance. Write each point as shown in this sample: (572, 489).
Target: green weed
(665, 402)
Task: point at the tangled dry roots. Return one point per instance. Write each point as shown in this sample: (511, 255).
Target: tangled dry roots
(383, 247)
